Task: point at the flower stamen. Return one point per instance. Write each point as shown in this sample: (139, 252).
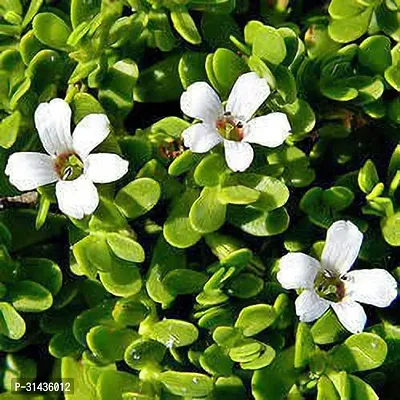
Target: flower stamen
(229, 128)
(68, 166)
(329, 287)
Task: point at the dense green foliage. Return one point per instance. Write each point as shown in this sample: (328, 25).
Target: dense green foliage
(169, 289)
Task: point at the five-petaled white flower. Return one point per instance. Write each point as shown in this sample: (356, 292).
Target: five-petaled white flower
(68, 162)
(232, 124)
(328, 283)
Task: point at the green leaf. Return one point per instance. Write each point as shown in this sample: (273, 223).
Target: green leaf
(84, 104)
(260, 67)
(230, 388)
(338, 198)
(392, 76)
(12, 324)
(184, 163)
(246, 350)
(9, 128)
(267, 355)
(75, 370)
(269, 45)
(270, 383)
(254, 319)
(178, 230)
(208, 172)
(387, 20)
(108, 343)
(215, 361)
(245, 286)
(301, 116)
(391, 229)
(304, 347)
(173, 333)
(259, 223)
(123, 280)
(99, 315)
(64, 344)
(192, 68)
(207, 213)
(82, 11)
(129, 311)
(186, 384)
(312, 203)
(18, 368)
(394, 164)
(347, 30)
(185, 25)
(11, 6)
(43, 271)
(250, 31)
(125, 247)
(143, 353)
(273, 192)
(342, 9)
(368, 177)
(360, 352)
(44, 70)
(107, 217)
(327, 329)
(374, 53)
(28, 296)
(361, 390)
(339, 91)
(227, 336)
(184, 281)
(34, 7)
(92, 255)
(326, 389)
(161, 34)
(113, 384)
(227, 67)
(116, 92)
(238, 195)
(216, 31)
(285, 84)
(138, 197)
(165, 258)
(160, 82)
(51, 30)
(394, 110)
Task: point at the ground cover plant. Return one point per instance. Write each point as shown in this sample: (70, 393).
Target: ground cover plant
(199, 199)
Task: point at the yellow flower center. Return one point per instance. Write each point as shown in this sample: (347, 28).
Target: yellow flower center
(229, 128)
(68, 166)
(329, 287)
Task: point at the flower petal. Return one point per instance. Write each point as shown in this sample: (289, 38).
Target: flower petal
(247, 95)
(28, 171)
(238, 155)
(371, 286)
(269, 130)
(309, 306)
(343, 242)
(105, 167)
(202, 102)
(200, 138)
(351, 315)
(297, 271)
(89, 133)
(53, 123)
(77, 198)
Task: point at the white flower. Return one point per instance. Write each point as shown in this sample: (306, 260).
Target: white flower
(232, 124)
(68, 162)
(328, 283)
